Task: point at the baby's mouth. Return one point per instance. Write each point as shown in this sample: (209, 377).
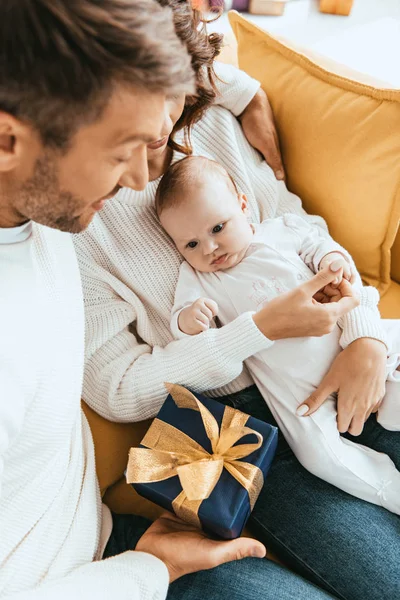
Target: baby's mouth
(220, 260)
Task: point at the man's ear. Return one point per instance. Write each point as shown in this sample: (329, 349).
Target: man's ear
(14, 135)
(243, 202)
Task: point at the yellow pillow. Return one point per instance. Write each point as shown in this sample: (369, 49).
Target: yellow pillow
(340, 141)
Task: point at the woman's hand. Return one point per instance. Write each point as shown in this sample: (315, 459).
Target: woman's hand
(259, 128)
(358, 375)
(185, 549)
(298, 314)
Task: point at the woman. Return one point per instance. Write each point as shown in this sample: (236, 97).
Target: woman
(129, 271)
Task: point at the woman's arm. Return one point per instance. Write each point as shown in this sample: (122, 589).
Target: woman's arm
(235, 88)
(243, 97)
(124, 376)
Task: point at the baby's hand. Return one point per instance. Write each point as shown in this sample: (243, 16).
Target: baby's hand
(196, 318)
(339, 264)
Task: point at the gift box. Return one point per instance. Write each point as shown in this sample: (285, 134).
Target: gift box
(204, 461)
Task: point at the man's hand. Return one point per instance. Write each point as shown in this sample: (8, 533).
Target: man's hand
(185, 549)
(196, 318)
(259, 128)
(358, 374)
(298, 314)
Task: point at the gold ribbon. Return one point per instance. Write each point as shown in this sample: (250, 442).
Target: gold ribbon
(171, 452)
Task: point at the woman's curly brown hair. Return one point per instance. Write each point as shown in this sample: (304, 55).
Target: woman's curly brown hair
(190, 27)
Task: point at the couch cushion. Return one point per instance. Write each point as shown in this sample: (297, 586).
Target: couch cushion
(112, 442)
(340, 142)
(123, 499)
(389, 305)
(396, 259)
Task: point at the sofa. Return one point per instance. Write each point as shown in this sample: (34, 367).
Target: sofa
(297, 82)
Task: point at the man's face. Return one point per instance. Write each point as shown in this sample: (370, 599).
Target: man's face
(65, 190)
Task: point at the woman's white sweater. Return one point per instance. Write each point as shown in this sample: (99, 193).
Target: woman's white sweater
(130, 268)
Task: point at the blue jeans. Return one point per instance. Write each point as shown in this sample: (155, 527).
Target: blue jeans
(345, 545)
(247, 579)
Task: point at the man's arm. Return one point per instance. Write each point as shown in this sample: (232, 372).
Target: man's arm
(168, 550)
(128, 576)
(13, 403)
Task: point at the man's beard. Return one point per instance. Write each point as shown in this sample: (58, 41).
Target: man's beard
(41, 200)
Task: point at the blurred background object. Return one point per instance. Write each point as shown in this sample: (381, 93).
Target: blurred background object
(336, 7)
(368, 40)
(267, 7)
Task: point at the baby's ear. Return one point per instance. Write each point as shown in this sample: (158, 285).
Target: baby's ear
(243, 202)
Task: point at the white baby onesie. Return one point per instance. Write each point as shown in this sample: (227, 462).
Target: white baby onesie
(285, 252)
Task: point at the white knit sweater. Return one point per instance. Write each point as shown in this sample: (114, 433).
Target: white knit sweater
(130, 269)
(50, 507)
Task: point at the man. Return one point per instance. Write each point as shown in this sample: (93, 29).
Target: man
(82, 91)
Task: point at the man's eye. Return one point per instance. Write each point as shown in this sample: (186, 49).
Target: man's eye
(218, 228)
(191, 245)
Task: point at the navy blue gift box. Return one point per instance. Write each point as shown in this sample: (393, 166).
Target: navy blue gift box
(225, 512)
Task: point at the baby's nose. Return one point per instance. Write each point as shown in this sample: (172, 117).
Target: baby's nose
(210, 247)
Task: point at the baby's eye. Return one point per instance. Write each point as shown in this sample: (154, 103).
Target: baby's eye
(191, 245)
(218, 228)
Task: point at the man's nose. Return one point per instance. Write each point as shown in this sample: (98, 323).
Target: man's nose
(136, 175)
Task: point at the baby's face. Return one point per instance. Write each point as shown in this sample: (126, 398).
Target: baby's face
(209, 227)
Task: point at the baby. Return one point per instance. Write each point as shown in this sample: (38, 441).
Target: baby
(232, 266)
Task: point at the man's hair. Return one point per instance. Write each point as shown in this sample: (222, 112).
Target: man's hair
(186, 174)
(60, 59)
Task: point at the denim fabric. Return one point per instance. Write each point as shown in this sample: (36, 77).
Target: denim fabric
(343, 544)
(126, 532)
(247, 579)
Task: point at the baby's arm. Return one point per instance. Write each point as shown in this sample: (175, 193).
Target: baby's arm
(197, 317)
(315, 247)
(191, 313)
(341, 264)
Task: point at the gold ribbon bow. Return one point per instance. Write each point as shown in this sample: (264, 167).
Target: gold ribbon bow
(171, 452)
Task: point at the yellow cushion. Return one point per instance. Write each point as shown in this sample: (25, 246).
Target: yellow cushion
(396, 259)
(121, 498)
(389, 305)
(340, 142)
(112, 442)
(317, 185)
(228, 54)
